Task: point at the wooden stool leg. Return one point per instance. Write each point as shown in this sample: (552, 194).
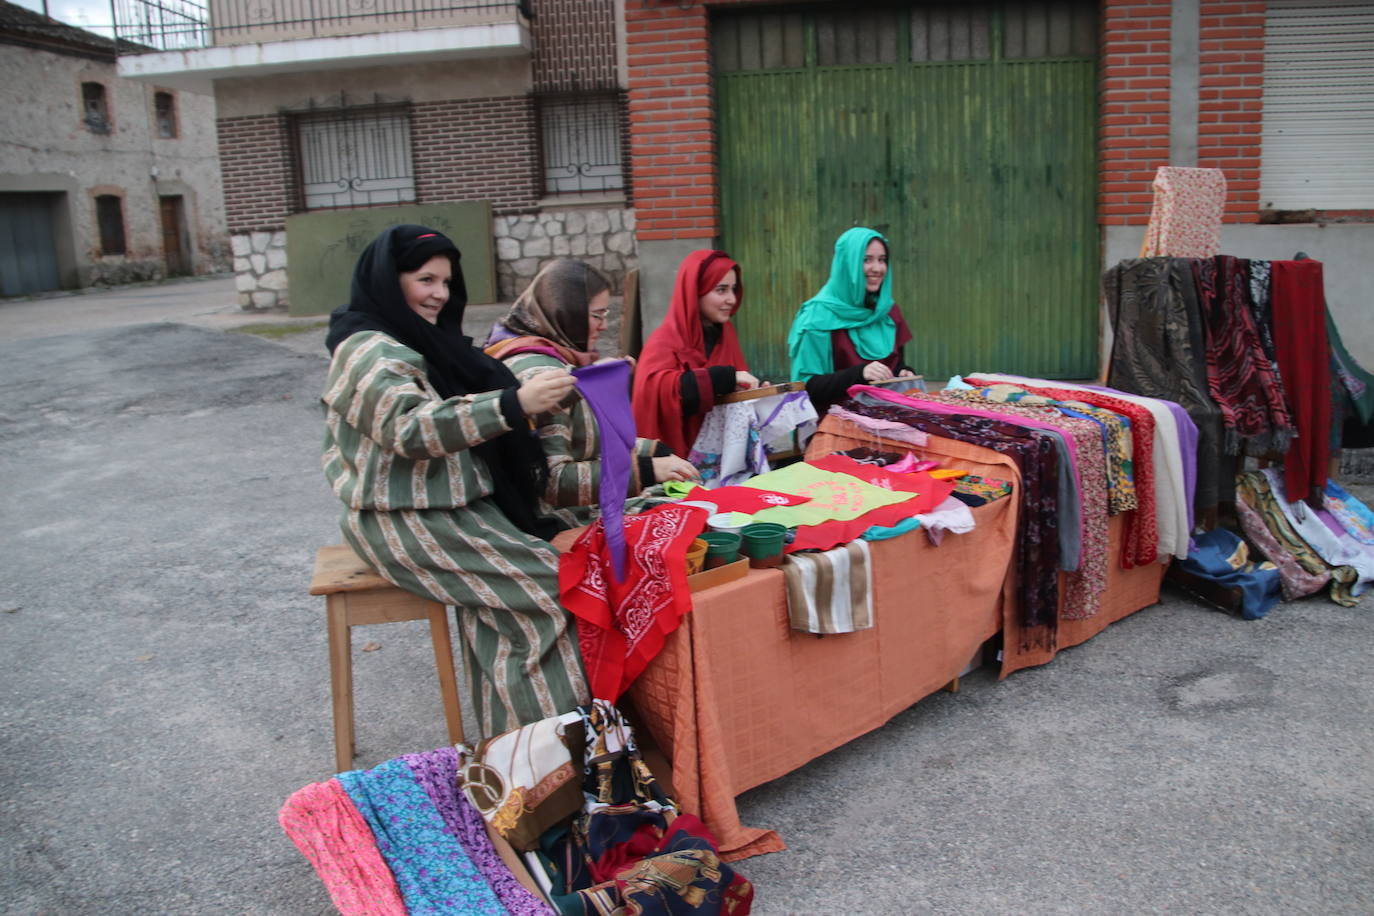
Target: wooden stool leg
(341, 679)
(448, 678)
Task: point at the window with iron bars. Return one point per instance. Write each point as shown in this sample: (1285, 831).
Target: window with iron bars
(352, 157)
(581, 143)
(95, 112)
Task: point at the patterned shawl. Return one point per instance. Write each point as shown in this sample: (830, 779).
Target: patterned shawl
(1037, 538)
(1240, 377)
(1159, 351)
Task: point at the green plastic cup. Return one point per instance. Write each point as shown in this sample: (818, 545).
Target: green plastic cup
(721, 547)
(762, 543)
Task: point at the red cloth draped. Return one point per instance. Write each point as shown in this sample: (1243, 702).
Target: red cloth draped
(678, 345)
(1303, 352)
(621, 626)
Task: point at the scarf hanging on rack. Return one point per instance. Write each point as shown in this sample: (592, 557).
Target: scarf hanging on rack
(1240, 377)
(1159, 351)
(1304, 354)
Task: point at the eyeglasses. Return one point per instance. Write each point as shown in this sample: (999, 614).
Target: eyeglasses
(600, 315)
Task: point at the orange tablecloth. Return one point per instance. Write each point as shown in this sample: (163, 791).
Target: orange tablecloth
(737, 698)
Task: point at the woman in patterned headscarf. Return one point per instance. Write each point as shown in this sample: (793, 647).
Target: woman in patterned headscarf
(428, 445)
(554, 325)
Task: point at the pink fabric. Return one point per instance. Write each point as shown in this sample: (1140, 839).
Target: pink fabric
(321, 820)
(1185, 221)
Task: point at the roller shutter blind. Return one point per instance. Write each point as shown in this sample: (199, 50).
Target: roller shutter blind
(1318, 142)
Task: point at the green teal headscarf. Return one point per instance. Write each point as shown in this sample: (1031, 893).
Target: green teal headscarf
(840, 306)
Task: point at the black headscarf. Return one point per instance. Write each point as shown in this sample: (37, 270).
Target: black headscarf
(452, 365)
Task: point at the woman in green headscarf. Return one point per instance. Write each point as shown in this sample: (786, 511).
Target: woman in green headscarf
(850, 332)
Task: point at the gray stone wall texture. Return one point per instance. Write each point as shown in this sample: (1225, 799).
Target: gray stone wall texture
(50, 149)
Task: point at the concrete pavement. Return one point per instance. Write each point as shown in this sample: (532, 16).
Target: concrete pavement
(164, 683)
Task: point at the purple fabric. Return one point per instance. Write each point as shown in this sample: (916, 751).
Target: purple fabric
(1336, 527)
(1187, 447)
(500, 332)
(606, 387)
(437, 773)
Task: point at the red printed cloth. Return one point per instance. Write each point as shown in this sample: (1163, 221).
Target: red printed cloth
(745, 499)
(622, 625)
(930, 491)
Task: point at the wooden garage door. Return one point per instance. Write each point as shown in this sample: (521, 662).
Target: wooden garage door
(28, 255)
(966, 134)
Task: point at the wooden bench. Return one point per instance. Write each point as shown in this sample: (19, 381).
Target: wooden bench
(356, 596)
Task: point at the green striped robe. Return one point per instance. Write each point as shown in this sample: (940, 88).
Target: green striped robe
(572, 445)
(416, 508)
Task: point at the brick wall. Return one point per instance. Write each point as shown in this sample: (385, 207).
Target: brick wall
(256, 175)
(574, 45)
(1231, 100)
(476, 149)
(1133, 120)
(671, 121)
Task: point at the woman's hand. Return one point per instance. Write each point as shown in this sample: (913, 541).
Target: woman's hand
(671, 467)
(743, 381)
(877, 372)
(543, 392)
(906, 373)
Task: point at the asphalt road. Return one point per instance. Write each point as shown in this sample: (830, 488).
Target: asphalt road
(164, 683)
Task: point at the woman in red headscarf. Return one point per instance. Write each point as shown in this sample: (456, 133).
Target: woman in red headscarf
(694, 356)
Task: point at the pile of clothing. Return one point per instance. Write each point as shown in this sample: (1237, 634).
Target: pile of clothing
(571, 794)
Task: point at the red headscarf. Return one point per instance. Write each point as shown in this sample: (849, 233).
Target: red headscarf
(678, 345)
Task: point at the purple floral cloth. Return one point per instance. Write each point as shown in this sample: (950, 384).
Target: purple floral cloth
(437, 773)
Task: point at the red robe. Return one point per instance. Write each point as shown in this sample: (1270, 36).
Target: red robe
(679, 345)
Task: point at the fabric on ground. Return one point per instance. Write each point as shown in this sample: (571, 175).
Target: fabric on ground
(1222, 558)
(1354, 516)
(328, 830)
(1296, 582)
(1334, 550)
(431, 868)
(436, 772)
(1253, 487)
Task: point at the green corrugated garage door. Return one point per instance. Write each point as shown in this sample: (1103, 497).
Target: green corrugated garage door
(965, 134)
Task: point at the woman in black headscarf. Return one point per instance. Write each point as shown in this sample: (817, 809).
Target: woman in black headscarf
(428, 444)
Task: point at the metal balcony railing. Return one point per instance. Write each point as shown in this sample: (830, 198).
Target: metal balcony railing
(175, 25)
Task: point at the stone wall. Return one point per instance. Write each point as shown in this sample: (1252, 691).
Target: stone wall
(604, 238)
(260, 269)
(525, 242)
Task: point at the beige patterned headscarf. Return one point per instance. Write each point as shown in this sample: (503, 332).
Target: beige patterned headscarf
(553, 308)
